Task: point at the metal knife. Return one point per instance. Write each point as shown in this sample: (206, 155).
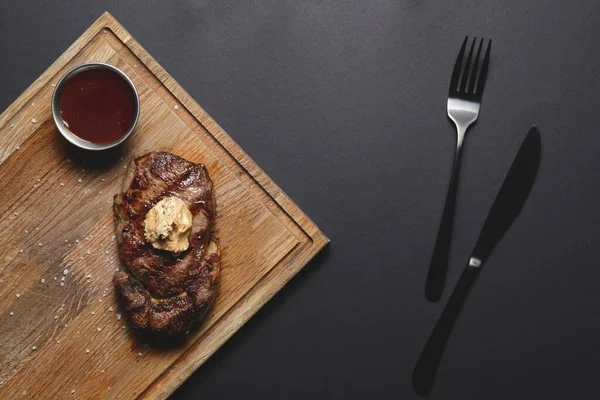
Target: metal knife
(507, 205)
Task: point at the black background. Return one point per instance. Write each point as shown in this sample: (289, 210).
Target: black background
(343, 104)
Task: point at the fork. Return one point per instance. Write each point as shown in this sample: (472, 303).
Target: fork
(464, 101)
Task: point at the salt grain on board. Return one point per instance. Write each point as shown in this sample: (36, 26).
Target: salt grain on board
(33, 120)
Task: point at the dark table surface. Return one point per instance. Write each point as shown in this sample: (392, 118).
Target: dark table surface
(343, 104)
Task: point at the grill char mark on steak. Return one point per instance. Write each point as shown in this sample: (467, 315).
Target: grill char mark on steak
(163, 292)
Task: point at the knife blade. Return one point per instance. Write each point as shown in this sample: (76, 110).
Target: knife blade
(506, 207)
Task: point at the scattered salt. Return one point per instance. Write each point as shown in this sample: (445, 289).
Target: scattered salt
(62, 184)
(20, 251)
(58, 341)
(139, 354)
(33, 347)
(65, 272)
(18, 295)
(99, 300)
(176, 107)
(43, 280)
(88, 252)
(11, 313)
(102, 371)
(33, 120)
(62, 284)
(56, 317)
(77, 241)
(102, 179)
(18, 147)
(72, 391)
(110, 309)
(99, 329)
(118, 317)
(112, 239)
(79, 180)
(93, 313)
(40, 244)
(26, 231)
(87, 351)
(88, 276)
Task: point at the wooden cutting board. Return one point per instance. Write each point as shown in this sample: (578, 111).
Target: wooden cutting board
(61, 335)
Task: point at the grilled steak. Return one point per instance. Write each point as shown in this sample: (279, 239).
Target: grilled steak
(163, 292)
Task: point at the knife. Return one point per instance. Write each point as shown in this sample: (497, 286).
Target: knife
(504, 211)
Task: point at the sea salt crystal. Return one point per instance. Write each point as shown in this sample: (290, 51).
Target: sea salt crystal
(88, 276)
(79, 180)
(11, 313)
(99, 329)
(65, 272)
(18, 295)
(33, 120)
(176, 107)
(102, 179)
(72, 391)
(33, 347)
(87, 351)
(139, 354)
(62, 284)
(18, 147)
(110, 309)
(56, 317)
(106, 252)
(102, 371)
(93, 313)
(112, 239)
(20, 251)
(77, 241)
(40, 244)
(99, 300)
(88, 252)
(26, 231)
(58, 341)
(43, 280)
(62, 184)
(118, 317)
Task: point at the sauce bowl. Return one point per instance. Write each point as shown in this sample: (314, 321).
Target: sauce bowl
(60, 123)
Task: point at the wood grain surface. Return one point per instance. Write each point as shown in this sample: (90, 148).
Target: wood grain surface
(61, 330)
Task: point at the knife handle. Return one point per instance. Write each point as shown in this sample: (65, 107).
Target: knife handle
(431, 355)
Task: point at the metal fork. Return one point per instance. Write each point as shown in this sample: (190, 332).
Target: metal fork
(464, 100)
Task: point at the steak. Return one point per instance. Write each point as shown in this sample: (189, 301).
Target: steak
(165, 293)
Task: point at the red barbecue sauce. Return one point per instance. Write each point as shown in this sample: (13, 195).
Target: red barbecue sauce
(97, 105)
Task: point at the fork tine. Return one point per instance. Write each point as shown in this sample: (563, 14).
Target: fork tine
(475, 69)
(457, 67)
(484, 67)
(468, 71)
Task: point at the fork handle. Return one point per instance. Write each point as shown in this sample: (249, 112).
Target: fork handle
(436, 275)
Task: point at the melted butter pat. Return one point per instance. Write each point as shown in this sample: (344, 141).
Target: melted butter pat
(168, 225)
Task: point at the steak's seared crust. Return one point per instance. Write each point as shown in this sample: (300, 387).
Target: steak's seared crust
(166, 293)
